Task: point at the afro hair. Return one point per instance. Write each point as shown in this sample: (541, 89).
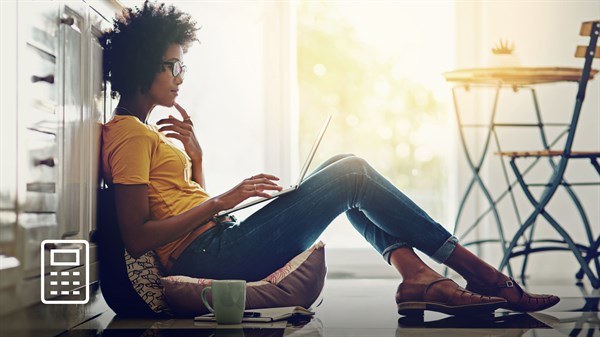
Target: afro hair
(135, 45)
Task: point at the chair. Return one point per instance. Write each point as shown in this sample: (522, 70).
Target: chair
(584, 253)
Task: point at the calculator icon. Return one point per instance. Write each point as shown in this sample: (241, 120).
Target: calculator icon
(65, 271)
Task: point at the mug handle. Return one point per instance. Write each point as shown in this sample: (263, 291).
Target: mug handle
(205, 301)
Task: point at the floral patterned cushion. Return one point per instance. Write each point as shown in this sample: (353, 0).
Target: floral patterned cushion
(299, 282)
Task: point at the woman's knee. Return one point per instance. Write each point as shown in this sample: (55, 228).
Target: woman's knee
(352, 164)
(332, 161)
(345, 165)
(340, 156)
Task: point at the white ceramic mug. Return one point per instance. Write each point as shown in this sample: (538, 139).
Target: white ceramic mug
(228, 300)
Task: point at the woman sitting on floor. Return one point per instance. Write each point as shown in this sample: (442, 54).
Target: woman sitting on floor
(162, 204)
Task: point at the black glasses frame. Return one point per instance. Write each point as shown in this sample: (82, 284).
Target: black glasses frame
(177, 68)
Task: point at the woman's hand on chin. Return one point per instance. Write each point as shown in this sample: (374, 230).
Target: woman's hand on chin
(183, 130)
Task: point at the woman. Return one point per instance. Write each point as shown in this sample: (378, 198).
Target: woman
(162, 204)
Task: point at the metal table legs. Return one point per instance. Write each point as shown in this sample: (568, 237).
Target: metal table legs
(475, 164)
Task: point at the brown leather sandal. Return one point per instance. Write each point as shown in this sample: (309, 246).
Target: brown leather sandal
(413, 299)
(526, 303)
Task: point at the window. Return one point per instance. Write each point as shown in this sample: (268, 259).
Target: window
(378, 67)
(380, 73)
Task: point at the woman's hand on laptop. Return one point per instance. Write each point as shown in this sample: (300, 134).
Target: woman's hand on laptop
(255, 186)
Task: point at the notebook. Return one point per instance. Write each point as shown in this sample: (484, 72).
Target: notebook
(265, 315)
(292, 188)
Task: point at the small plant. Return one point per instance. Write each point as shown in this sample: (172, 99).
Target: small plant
(503, 47)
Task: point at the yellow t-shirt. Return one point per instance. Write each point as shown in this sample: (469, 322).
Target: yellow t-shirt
(136, 153)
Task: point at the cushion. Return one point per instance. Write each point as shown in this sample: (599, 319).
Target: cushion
(115, 279)
(299, 282)
(145, 275)
(136, 287)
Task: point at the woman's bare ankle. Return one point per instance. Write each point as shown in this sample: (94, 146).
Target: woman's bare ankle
(421, 276)
(489, 277)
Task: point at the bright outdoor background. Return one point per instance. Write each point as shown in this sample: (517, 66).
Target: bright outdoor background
(377, 66)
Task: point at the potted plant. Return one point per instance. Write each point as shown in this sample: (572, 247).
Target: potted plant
(503, 55)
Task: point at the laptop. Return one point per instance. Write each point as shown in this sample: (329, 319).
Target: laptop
(292, 188)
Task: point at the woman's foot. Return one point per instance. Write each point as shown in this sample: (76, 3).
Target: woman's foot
(443, 295)
(518, 299)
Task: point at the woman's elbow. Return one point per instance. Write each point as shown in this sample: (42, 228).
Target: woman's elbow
(135, 253)
(135, 248)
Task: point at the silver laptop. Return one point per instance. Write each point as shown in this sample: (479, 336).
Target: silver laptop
(303, 171)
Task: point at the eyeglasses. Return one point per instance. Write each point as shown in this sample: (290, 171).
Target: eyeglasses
(177, 68)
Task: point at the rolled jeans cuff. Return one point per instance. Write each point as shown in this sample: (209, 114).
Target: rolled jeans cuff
(445, 250)
(388, 251)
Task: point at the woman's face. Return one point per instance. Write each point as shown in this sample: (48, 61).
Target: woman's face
(165, 87)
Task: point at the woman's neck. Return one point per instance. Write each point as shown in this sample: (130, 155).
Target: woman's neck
(134, 107)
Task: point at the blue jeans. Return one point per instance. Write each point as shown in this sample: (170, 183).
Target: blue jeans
(265, 241)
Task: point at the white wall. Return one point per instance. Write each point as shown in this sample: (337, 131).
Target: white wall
(545, 34)
(238, 90)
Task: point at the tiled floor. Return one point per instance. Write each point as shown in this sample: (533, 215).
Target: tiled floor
(361, 307)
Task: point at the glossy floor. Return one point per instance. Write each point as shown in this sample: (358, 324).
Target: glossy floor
(366, 307)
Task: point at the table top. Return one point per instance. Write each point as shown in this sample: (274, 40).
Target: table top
(515, 75)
